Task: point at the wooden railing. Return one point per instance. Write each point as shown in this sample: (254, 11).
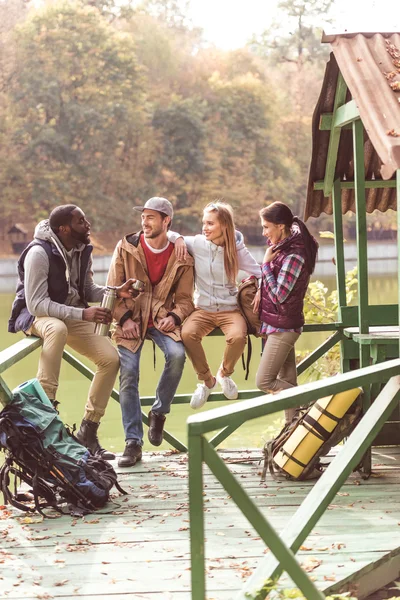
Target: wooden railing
(284, 545)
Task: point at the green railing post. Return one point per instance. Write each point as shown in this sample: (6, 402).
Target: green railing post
(268, 534)
(196, 516)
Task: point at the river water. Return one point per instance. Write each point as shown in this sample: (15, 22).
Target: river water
(73, 386)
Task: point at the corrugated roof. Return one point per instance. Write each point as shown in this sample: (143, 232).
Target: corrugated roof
(370, 65)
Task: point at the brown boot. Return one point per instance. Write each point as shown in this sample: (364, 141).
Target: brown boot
(156, 426)
(132, 454)
(87, 436)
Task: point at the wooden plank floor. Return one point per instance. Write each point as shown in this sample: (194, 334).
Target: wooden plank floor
(138, 547)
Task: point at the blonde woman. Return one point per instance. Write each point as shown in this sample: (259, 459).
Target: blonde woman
(219, 253)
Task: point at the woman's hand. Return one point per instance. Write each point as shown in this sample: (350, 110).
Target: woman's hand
(270, 254)
(181, 249)
(256, 302)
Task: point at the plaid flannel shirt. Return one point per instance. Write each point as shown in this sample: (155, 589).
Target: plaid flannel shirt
(279, 289)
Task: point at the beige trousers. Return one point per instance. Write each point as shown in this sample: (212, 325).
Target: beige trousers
(199, 324)
(277, 369)
(80, 336)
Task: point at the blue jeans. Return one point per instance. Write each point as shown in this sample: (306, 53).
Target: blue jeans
(174, 354)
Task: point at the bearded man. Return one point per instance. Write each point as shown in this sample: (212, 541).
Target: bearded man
(54, 288)
(156, 313)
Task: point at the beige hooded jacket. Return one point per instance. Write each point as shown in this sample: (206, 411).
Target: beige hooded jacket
(173, 295)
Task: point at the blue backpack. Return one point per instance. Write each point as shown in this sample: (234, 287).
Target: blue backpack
(42, 453)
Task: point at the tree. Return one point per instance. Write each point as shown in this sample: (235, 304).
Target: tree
(78, 91)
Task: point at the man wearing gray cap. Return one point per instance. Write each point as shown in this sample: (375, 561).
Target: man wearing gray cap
(156, 313)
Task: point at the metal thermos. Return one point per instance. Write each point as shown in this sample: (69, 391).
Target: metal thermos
(108, 301)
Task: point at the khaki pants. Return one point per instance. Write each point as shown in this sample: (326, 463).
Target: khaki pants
(199, 324)
(277, 370)
(81, 337)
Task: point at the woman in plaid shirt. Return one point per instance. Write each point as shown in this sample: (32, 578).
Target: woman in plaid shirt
(287, 265)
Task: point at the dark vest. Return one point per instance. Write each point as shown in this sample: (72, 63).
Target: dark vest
(21, 319)
(289, 314)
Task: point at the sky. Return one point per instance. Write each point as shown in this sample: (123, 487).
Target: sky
(230, 23)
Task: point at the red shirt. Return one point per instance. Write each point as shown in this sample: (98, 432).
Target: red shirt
(156, 265)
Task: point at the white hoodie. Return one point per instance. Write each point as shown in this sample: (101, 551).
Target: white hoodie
(213, 291)
(36, 266)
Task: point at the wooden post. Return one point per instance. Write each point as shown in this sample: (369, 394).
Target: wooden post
(362, 261)
(196, 516)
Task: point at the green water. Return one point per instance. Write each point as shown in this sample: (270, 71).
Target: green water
(73, 386)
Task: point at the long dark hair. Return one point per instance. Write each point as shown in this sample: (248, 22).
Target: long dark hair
(280, 214)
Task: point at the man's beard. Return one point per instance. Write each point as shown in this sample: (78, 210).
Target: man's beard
(154, 233)
(80, 237)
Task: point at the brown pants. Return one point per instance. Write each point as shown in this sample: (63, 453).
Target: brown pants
(81, 337)
(199, 324)
(277, 370)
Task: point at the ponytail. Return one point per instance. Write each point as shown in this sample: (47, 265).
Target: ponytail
(310, 245)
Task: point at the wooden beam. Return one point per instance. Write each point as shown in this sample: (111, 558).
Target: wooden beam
(339, 247)
(267, 533)
(5, 393)
(325, 489)
(350, 185)
(267, 404)
(196, 516)
(361, 216)
(346, 114)
(11, 355)
(318, 352)
(334, 138)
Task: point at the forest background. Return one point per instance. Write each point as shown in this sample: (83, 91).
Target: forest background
(106, 103)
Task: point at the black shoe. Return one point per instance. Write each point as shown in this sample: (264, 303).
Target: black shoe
(132, 454)
(87, 436)
(156, 426)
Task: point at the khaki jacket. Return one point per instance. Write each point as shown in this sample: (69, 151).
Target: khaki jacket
(174, 293)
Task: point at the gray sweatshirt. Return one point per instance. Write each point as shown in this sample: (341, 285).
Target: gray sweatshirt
(213, 292)
(37, 296)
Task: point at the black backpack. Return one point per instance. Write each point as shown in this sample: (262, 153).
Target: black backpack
(43, 454)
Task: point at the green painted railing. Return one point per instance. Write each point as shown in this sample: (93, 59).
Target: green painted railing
(284, 545)
(25, 346)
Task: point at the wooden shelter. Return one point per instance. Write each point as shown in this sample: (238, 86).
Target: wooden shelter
(355, 167)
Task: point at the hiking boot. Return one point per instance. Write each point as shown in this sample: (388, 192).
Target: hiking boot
(201, 394)
(132, 454)
(87, 436)
(229, 387)
(156, 426)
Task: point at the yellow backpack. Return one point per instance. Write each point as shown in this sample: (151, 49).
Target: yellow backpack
(296, 451)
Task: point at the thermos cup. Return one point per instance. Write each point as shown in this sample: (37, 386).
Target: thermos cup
(108, 301)
(137, 287)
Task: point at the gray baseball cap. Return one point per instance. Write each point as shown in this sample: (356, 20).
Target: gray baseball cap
(160, 204)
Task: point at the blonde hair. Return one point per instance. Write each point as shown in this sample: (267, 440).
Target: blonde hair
(225, 218)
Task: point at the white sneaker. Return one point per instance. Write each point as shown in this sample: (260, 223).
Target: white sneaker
(201, 395)
(229, 387)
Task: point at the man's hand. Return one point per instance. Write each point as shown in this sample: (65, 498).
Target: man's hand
(97, 314)
(256, 302)
(181, 249)
(131, 330)
(126, 291)
(167, 324)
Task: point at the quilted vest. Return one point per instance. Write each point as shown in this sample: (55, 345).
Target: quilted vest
(289, 314)
(21, 319)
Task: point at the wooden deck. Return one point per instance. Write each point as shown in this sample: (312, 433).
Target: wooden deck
(139, 546)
